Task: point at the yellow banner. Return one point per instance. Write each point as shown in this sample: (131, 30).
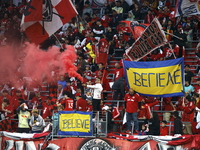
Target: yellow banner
(74, 122)
(156, 81)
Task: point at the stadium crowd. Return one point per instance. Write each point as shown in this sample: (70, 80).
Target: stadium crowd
(85, 32)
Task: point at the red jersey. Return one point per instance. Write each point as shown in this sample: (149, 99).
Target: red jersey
(81, 105)
(47, 111)
(69, 104)
(119, 73)
(164, 131)
(115, 113)
(132, 102)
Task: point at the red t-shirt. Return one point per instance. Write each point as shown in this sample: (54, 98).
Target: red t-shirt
(164, 131)
(81, 105)
(132, 102)
(119, 73)
(69, 103)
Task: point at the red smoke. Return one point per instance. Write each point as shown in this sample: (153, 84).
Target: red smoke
(35, 64)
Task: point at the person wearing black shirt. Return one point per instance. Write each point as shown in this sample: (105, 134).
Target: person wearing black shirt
(154, 125)
(189, 75)
(180, 40)
(178, 126)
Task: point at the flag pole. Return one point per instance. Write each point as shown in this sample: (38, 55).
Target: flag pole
(173, 35)
(172, 51)
(58, 41)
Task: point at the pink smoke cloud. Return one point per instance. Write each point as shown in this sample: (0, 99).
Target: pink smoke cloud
(36, 64)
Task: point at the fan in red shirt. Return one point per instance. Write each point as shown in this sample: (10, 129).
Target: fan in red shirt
(87, 30)
(168, 106)
(37, 100)
(67, 102)
(47, 108)
(7, 109)
(5, 95)
(118, 85)
(132, 100)
(15, 100)
(188, 114)
(145, 112)
(81, 104)
(164, 130)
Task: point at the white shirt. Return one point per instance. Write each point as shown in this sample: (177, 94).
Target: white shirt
(97, 90)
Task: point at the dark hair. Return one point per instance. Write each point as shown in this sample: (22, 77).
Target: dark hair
(164, 121)
(5, 91)
(87, 2)
(198, 79)
(6, 101)
(189, 98)
(66, 93)
(175, 113)
(18, 91)
(187, 65)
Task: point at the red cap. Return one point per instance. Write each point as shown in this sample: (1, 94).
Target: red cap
(78, 94)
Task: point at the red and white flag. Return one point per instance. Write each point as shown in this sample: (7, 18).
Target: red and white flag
(42, 18)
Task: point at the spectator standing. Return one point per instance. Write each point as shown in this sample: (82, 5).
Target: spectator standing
(178, 126)
(87, 9)
(189, 75)
(188, 88)
(164, 130)
(7, 109)
(98, 30)
(5, 95)
(154, 125)
(24, 118)
(149, 17)
(125, 6)
(180, 40)
(67, 102)
(118, 85)
(55, 118)
(132, 100)
(96, 94)
(37, 100)
(118, 7)
(62, 81)
(130, 17)
(168, 106)
(188, 114)
(36, 122)
(81, 104)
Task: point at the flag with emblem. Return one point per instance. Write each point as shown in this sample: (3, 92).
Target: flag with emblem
(42, 18)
